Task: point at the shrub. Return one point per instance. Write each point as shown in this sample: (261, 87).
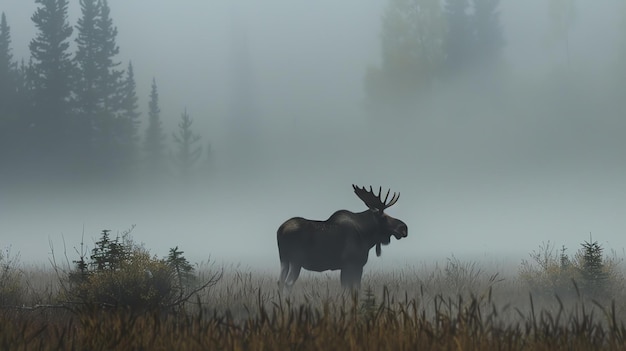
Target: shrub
(589, 272)
(120, 273)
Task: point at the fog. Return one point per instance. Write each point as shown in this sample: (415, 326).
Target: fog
(484, 172)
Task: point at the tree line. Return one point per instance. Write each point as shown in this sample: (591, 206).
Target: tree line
(75, 114)
(423, 41)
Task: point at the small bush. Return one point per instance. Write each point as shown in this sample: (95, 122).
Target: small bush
(120, 273)
(589, 272)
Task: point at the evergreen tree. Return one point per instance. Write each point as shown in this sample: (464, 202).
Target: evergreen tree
(595, 276)
(88, 94)
(88, 90)
(51, 73)
(154, 141)
(8, 72)
(8, 95)
(106, 140)
(128, 118)
(411, 40)
(100, 88)
(111, 76)
(188, 153)
(459, 42)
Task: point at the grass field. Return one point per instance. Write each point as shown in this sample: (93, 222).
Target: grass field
(453, 305)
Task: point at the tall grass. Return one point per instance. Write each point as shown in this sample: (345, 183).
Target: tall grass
(452, 306)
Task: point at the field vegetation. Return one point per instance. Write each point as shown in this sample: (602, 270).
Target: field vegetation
(119, 296)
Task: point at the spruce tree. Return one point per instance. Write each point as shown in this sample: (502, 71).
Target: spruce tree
(8, 95)
(51, 73)
(595, 276)
(88, 96)
(88, 91)
(107, 139)
(111, 76)
(8, 71)
(154, 141)
(188, 153)
(128, 118)
(100, 88)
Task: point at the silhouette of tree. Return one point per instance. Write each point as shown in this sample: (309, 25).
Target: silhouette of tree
(154, 141)
(128, 118)
(9, 75)
(51, 72)
(187, 153)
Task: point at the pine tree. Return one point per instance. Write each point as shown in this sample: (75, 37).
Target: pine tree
(128, 118)
(8, 71)
(107, 141)
(8, 95)
(100, 88)
(154, 141)
(188, 153)
(595, 277)
(111, 76)
(51, 73)
(88, 91)
(88, 96)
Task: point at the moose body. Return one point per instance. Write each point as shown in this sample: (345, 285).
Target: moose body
(342, 242)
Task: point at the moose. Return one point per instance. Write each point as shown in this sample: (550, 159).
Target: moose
(341, 242)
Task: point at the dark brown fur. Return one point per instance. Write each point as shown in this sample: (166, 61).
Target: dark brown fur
(341, 242)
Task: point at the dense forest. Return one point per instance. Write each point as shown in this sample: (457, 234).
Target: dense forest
(74, 115)
(70, 111)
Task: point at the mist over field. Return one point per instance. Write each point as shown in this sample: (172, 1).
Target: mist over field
(490, 162)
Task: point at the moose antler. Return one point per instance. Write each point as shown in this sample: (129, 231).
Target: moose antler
(374, 201)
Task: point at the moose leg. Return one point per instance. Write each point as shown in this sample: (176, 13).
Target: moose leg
(351, 277)
(294, 273)
(284, 270)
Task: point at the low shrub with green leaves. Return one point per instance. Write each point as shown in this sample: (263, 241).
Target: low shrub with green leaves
(589, 271)
(120, 273)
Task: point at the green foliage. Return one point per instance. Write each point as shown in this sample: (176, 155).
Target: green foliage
(120, 273)
(589, 273)
(183, 272)
(594, 272)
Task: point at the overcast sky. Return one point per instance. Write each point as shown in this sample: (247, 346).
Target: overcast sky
(491, 180)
